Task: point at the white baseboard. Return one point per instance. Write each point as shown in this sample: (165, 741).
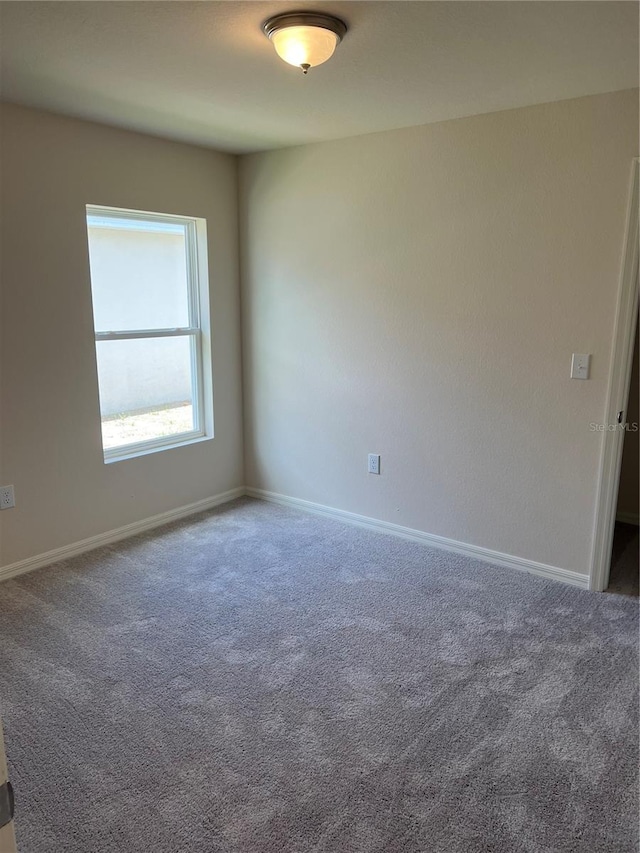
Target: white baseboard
(628, 518)
(496, 558)
(67, 551)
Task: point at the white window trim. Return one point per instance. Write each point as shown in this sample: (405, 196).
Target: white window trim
(198, 330)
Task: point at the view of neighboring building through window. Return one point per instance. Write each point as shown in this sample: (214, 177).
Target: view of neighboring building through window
(148, 284)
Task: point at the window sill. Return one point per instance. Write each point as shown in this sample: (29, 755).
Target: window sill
(147, 451)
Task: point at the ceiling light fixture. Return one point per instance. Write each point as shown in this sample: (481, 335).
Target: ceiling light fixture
(305, 39)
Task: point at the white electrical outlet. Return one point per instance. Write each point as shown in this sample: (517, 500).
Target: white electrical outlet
(373, 466)
(7, 498)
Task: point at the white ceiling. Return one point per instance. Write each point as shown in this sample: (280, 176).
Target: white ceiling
(204, 72)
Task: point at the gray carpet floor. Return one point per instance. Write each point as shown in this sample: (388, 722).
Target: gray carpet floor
(261, 680)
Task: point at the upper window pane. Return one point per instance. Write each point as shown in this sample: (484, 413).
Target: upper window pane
(138, 273)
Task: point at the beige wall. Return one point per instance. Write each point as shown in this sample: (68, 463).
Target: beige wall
(418, 293)
(51, 448)
(628, 497)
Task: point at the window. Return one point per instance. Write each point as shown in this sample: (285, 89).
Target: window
(150, 312)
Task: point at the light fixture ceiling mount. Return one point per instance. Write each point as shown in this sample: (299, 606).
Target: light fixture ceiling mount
(304, 39)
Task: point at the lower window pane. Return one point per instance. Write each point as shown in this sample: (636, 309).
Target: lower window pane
(145, 389)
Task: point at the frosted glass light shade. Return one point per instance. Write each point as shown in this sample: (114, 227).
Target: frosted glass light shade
(302, 46)
(304, 39)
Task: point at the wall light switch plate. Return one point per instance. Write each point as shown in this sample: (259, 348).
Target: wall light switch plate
(580, 363)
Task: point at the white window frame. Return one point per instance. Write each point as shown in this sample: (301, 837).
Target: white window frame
(198, 331)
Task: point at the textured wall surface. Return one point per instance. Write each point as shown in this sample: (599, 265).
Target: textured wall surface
(51, 446)
(418, 293)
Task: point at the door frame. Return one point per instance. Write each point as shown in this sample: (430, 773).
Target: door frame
(617, 395)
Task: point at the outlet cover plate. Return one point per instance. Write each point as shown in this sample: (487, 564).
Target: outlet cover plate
(7, 497)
